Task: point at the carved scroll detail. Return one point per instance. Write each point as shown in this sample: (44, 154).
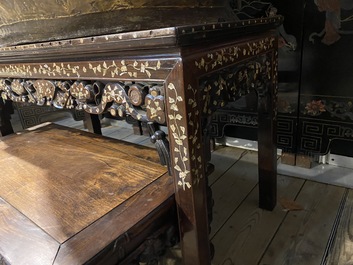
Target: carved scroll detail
(146, 105)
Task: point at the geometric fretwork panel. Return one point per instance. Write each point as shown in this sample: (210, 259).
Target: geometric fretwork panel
(310, 144)
(317, 135)
(31, 115)
(286, 126)
(286, 136)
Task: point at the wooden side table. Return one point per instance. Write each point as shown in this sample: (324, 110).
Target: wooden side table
(175, 76)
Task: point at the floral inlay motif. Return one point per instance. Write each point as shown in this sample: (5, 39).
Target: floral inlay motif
(196, 158)
(315, 108)
(284, 106)
(228, 85)
(230, 55)
(155, 108)
(331, 107)
(179, 138)
(77, 70)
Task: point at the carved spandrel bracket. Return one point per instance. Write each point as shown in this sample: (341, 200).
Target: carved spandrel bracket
(142, 101)
(230, 84)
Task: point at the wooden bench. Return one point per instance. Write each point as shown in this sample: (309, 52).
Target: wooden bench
(72, 197)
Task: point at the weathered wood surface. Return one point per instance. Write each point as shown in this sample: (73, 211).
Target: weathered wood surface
(231, 238)
(298, 231)
(230, 191)
(303, 236)
(78, 191)
(20, 237)
(252, 228)
(223, 158)
(342, 250)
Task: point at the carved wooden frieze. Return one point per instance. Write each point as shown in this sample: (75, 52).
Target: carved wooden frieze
(142, 101)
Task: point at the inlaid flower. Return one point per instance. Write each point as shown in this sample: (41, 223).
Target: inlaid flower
(284, 106)
(315, 108)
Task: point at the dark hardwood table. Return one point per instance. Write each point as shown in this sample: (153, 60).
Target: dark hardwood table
(176, 76)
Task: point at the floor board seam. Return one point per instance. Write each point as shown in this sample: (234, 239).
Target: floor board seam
(331, 241)
(233, 212)
(229, 167)
(280, 224)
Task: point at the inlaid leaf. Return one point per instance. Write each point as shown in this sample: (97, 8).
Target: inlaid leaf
(178, 117)
(178, 142)
(174, 107)
(148, 73)
(177, 167)
(182, 128)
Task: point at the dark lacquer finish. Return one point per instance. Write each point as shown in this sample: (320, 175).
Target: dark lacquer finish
(175, 76)
(42, 20)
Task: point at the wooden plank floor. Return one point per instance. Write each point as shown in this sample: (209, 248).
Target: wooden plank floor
(311, 223)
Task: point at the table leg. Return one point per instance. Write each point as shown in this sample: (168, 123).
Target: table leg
(5, 117)
(267, 162)
(188, 166)
(92, 123)
(267, 138)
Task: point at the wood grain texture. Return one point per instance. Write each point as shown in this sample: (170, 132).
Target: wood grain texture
(59, 167)
(342, 250)
(246, 234)
(223, 158)
(76, 189)
(230, 191)
(21, 240)
(158, 224)
(303, 235)
(118, 222)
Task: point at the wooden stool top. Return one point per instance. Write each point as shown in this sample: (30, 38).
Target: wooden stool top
(64, 193)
